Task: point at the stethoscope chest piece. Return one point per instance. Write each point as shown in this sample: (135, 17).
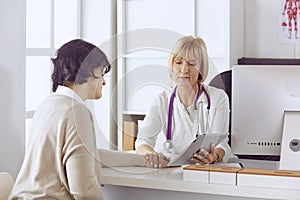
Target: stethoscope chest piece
(168, 145)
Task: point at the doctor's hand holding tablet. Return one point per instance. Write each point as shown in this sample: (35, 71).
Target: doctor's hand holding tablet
(190, 110)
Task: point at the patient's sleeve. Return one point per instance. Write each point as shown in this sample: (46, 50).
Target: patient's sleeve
(110, 158)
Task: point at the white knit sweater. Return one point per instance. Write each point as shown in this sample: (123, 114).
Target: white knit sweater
(62, 160)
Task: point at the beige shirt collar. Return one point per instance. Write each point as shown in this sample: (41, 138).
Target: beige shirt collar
(65, 91)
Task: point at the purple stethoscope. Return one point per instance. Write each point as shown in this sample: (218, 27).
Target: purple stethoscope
(168, 143)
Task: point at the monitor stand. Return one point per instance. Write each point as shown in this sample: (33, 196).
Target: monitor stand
(290, 145)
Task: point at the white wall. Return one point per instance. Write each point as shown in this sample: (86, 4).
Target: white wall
(12, 84)
(261, 31)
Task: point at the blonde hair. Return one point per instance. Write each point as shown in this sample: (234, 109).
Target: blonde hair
(189, 47)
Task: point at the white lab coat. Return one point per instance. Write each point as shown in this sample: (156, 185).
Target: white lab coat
(186, 122)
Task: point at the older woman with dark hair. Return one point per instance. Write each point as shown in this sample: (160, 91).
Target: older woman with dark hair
(62, 160)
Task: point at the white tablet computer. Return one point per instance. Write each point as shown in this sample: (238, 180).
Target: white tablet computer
(202, 142)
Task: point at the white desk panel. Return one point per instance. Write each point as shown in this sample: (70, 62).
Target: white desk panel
(139, 183)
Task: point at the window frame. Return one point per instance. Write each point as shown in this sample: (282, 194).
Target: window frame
(49, 52)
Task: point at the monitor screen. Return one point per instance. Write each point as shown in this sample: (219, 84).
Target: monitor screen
(260, 95)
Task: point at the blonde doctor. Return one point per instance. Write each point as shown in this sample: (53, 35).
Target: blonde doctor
(192, 108)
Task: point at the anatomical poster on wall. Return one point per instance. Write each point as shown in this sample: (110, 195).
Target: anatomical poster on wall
(289, 21)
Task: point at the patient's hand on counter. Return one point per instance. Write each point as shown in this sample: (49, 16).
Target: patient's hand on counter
(156, 160)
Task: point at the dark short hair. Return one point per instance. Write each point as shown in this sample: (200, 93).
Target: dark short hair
(75, 62)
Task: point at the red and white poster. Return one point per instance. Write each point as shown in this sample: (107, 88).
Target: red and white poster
(289, 21)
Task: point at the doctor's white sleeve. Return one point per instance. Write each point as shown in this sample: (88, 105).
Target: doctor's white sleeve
(221, 122)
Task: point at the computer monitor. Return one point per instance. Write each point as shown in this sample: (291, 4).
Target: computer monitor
(260, 95)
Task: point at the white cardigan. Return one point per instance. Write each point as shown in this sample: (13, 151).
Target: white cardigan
(61, 160)
(186, 122)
